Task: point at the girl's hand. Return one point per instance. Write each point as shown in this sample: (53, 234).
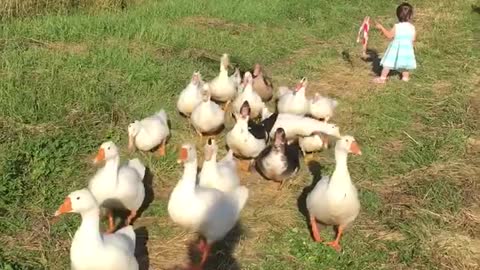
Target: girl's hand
(378, 26)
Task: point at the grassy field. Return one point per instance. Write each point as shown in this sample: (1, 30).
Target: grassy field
(69, 82)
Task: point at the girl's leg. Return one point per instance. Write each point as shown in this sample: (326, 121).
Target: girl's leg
(383, 76)
(405, 76)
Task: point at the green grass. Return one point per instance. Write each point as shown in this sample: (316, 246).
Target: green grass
(70, 81)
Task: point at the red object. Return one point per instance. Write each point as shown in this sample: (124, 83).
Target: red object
(363, 33)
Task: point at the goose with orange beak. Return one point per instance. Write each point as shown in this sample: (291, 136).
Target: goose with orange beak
(208, 211)
(90, 250)
(334, 200)
(118, 186)
(293, 101)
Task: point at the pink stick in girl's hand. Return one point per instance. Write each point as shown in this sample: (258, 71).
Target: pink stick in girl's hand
(363, 34)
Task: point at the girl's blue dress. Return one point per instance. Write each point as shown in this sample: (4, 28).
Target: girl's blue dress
(399, 54)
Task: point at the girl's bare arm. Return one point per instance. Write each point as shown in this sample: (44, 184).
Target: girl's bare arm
(387, 33)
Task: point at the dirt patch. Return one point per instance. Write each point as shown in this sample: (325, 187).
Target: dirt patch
(13, 128)
(71, 48)
(473, 145)
(442, 88)
(402, 199)
(394, 146)
(340, 81)
(455, 251)
(139, 48)
(217, 23)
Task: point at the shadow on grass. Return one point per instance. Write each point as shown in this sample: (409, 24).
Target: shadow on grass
(373, 57)
(149, 193)
(221, 254)
(476, 9)
(141, 249)
(316, 170)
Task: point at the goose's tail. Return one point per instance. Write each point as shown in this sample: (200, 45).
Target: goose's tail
(138, 166)
(162, 115)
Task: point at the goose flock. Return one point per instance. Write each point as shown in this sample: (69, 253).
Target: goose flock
(210, 202)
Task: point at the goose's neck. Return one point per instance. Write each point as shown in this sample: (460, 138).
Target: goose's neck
(189, 177)
(212, 162)
(341, 173)
(89, 229)
(223, 71)
(111, 166)
(301, 92)
(248, 89)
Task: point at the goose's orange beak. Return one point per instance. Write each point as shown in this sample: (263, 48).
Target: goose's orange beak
(100, 156)
(182, 155)
(66, 207)
(355, 149)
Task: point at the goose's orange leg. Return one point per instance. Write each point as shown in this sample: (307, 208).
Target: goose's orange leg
(161, 149)
(204, 247)
(111, 222)
(132, 215)
(315, 231)
(336, 244)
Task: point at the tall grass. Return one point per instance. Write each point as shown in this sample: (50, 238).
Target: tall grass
(25, 8)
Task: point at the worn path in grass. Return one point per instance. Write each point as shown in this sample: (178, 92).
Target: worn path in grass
(68, 83)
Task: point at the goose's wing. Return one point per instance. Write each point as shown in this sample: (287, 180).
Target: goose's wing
(123, 239)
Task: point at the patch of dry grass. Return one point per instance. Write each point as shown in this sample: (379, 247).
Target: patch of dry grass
(455, 250)
(457, 246)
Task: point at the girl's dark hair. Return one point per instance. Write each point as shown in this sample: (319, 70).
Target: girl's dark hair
(404, 12)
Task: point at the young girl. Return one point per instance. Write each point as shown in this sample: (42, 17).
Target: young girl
(399, 54)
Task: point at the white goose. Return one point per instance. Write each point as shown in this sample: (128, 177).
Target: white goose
(254, 100)
(208, 211)
(322, 107)
(316, 142)
(221, 175)
(115, 184)
(334, 200)
(190, 97)
(300, 126)
(293, 101)
(150, 132)
(207, 117)
(91, 250)
(223, 88)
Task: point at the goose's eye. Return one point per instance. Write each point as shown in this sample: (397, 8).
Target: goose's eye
(346, 140)
(108, 148)
(78, 198)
